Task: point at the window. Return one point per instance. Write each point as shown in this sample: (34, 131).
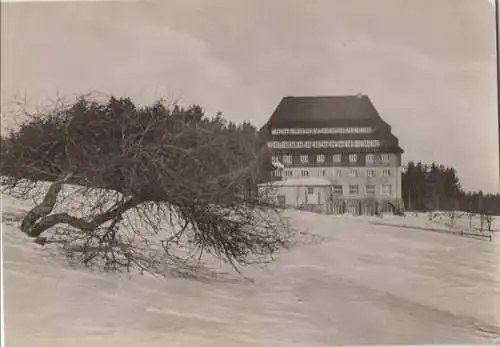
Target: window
(370, 158)
(304, 173)
(385, 157)
(310, 190)
(320, 158)
(370, 172)
(338, 189)
(386, 189)
(370, 189)
(287, 159)
(288, 173)
(353, 172)
(275, 158)
(337, 158)
(304, 158)
(386, 172)
(323, 172)
(353, 158)
(339, 172)
(327, 144)
(353, 189)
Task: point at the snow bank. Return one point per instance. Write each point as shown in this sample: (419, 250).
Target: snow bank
(358, 283)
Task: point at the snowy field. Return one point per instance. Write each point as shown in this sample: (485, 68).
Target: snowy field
(355, 283)
(441, 220)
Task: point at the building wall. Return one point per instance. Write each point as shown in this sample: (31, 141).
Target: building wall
(361, 158)
(299, 196)
(342, 176)
(322, 199)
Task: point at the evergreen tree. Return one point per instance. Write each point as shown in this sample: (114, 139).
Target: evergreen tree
(436, 187)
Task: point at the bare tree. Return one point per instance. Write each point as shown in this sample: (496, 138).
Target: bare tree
(489, 220)
(482, 222)
(129, 184)
(452, 216)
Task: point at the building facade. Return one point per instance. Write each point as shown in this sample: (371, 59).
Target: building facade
(310, 193)
(341, 139)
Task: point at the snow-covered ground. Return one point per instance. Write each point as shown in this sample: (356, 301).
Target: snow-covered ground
(358, 283)
(441, 222)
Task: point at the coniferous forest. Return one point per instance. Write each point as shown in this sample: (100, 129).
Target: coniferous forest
(436, 187)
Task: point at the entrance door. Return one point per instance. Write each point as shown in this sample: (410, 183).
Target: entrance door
(312, 195)
(352, 209)
(281, 201)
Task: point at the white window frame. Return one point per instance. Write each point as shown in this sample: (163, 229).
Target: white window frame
(337, 192)
(339, 172)
(370, 191)
(304, 158)
(323, 144)
(386, 189)
(287, 159)
(370, 158)
(354, 172)
(352, 191)
(310, 190)
(386, 172)
(337, 158)
(320, 158)
(385, 156)
(370, 172)
(353, 157)
(304, 173)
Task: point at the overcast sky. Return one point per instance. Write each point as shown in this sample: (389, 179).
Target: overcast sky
(427, 65)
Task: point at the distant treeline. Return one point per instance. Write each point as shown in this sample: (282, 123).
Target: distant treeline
(436, 187)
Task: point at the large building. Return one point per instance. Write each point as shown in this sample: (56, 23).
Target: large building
(341, 139)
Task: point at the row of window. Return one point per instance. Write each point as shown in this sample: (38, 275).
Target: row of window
(386, 172)
(370, 189)
(325, 144)
(316, 131)
(337, 158)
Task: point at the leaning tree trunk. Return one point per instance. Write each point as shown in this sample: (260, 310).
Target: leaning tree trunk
(39, 219)
(29, 225)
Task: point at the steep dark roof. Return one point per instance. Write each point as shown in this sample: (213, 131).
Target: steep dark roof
(325, 108)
